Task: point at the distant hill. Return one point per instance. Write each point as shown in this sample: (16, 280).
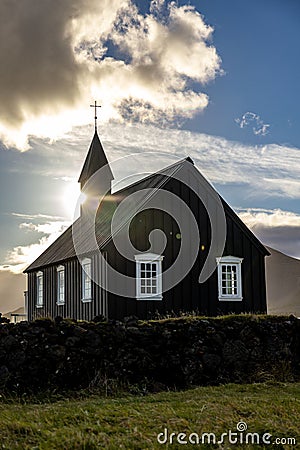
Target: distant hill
(20, 310)
(283, 283)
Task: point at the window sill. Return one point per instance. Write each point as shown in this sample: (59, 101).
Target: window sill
(153, 297)
(230, 299)
(86, 300)
(60, 303)
(39, 306)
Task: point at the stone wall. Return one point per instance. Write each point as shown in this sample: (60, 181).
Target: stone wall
(166, 354)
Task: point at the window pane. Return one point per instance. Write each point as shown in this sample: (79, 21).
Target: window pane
(147, 278)
(87, 269)
(40, 289)
(228, 274)
(61, 285)
(86, 281)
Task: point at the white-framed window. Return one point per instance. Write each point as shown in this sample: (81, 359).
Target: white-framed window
(230, 278)
(39, 290)
(86, 281)
(148, 276)
(60, 285)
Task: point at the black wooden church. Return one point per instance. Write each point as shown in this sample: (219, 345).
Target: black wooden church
(73, 279)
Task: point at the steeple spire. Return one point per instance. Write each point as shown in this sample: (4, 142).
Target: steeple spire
(95, 117)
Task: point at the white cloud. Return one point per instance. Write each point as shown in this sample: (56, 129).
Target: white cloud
(276, 228)
(157, 6)
(272, 169)
(21, 256)
(36, 216)
(63, 52)
(259, 128)
(49, 228)
(269, 218)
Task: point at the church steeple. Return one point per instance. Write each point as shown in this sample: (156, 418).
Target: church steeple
(94, 161)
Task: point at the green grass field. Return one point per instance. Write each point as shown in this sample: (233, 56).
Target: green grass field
(133, 422)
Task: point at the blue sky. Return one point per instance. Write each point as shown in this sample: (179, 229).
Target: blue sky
(222, 87)
(259, 46)
(258, 43)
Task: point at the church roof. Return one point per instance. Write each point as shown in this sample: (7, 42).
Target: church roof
(95, 160)
(63, 248)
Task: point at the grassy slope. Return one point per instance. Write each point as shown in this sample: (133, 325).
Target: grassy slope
(133, 422)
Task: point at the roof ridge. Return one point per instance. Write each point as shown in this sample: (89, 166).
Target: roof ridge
(158, 172)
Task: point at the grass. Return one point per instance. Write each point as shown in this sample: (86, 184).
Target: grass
(132, 422)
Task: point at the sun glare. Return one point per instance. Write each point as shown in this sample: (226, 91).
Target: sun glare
(72, 199)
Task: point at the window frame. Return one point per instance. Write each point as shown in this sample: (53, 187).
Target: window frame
(59, 270)
(152, 259)
(39, 289)
(232, 261)
(86, 277)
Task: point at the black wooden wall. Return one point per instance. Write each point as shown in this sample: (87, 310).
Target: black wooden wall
(73, 307)
(187, 296)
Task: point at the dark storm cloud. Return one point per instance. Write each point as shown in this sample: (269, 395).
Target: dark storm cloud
(38, 69)
(54, 59)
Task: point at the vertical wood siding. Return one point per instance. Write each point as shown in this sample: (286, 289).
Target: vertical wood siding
(73, 306)
(188, 295)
